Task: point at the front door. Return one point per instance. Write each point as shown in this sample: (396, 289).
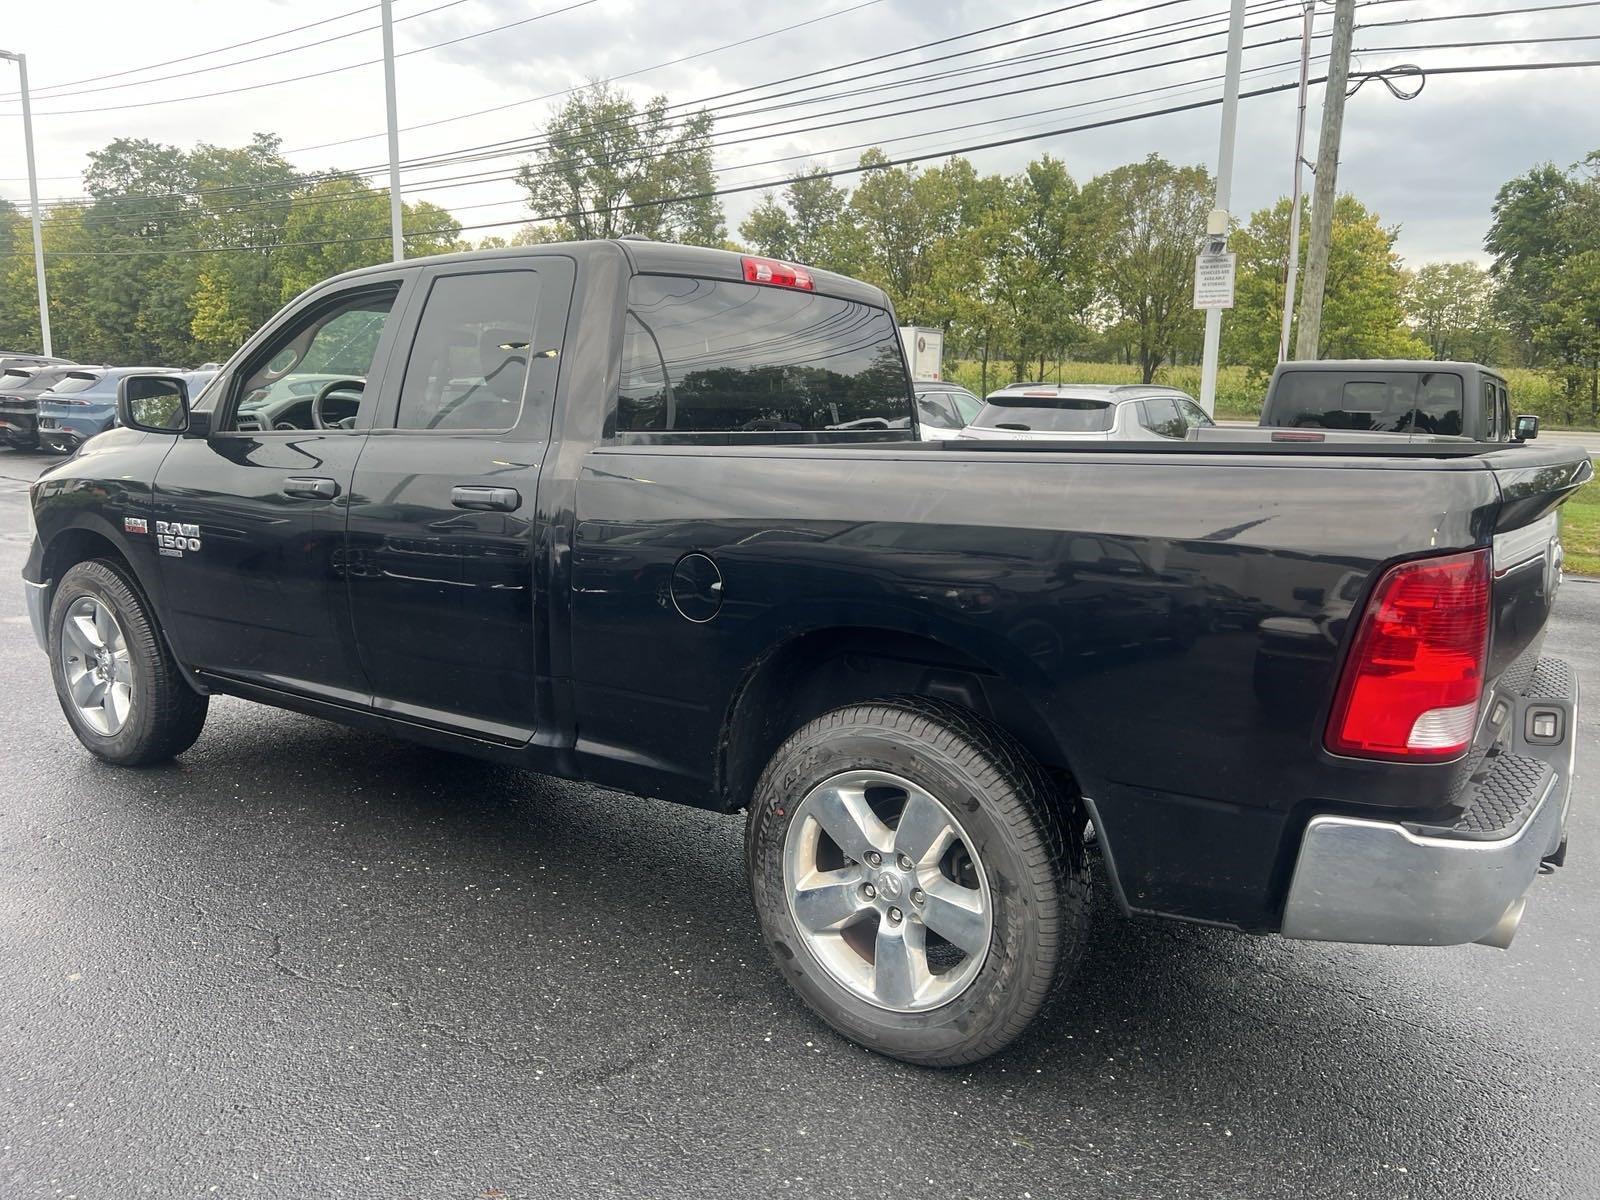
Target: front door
(249, 520)
(441, 523)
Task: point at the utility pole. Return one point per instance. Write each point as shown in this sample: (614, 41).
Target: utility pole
(1344, 21)
(1292, 270)
(1217, 224)
(33, 201)
(396, 228)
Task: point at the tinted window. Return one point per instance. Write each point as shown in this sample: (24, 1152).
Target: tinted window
(337, 342)
(967, 406)
(1045, 414)
(708, 356)
(1503, 407)
(936, 409)
(1193, 415)
(1161, 416)
(469, 362)
(75, 383)
(1388, 401)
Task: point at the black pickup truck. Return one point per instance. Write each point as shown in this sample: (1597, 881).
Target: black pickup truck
(658, 518)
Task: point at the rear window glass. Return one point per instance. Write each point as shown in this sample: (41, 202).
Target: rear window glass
(715, 356)
(1386, 401)
(74, 383)
(1040, 414)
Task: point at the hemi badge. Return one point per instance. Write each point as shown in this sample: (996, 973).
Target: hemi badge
(135, 525)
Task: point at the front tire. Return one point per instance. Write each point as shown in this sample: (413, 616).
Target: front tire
(117, 683)
(917, 879)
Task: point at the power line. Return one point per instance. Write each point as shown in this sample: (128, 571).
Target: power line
(271, 83)
(488, 151)
(904, 160)
(671, 62)
(266, 37)
(239, 62)
(1473, 16)
(498, 177)
(729, 138)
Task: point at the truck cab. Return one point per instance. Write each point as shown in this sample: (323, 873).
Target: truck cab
(1415, 398)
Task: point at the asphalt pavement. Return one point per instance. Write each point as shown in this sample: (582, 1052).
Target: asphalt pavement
(308, 962)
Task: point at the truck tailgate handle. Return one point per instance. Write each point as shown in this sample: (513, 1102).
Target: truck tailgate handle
(311, 487)
(485, 499)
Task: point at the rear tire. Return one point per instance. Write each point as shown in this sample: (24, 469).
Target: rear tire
(118, 685)
(1010, 886)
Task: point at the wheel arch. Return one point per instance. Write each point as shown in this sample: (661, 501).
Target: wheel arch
(92, 541)
(822, 669)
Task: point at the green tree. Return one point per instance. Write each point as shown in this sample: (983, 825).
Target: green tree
(1364, 315)
(610, 168)
(1570, 329)
(1530, 237)
(1451, 308)
(338, 225)
(812, 223)
(1147, 219)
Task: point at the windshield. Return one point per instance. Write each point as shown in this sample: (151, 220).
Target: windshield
(1046, 414)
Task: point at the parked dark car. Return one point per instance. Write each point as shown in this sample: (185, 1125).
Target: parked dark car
(20, 389)
(81, 404)
(615, 511)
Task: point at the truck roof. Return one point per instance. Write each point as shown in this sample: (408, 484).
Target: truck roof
(1387, 364)
(646, 258)
(1094, 391)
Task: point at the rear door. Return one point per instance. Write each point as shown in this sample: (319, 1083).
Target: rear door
(440, 534)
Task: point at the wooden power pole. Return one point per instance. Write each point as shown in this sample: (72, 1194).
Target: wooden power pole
(1326, 191)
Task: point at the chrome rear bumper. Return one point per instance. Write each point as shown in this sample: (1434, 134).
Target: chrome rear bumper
(1359, 880)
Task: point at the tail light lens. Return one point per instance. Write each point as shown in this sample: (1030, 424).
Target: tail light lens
(779, 274)
(1411, 686)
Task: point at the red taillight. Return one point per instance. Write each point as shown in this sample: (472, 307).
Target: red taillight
(1412, 683)
(779, 274)
(1297, 435)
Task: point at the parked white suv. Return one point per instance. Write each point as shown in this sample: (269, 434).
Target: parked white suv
(1087, 412)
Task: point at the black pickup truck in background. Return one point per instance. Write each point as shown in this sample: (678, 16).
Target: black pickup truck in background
(658, 518)
(1410, 399)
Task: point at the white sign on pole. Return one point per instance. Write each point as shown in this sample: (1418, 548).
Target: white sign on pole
(1213, 280)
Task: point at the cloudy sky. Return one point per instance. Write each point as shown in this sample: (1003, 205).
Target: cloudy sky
(1430, 166)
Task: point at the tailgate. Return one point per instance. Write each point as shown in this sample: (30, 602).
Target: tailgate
(1534, 483)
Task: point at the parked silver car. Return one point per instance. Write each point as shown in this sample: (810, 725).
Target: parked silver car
(1087, 412)
(944, 409)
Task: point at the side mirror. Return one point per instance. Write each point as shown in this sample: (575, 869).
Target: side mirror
(1527, 428)
(153, 403)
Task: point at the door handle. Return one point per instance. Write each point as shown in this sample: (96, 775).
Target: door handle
(485, 499)
(310, 487)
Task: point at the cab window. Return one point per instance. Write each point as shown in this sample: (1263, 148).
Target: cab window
(709, 356)
(327, 354)
(469, 364)
(1162, 417)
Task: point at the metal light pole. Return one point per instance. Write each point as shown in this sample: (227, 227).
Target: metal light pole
(33, 200)
(1217, 226)
(396, 229)
(1293, 266)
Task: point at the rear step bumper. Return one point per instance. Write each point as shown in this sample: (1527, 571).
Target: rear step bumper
(1404, 884)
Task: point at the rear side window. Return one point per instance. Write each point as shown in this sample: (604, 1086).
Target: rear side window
(717, 356)
(938, 410)
(469, 362)
(1385, 401)
(1161, 416)
(1045, 414)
